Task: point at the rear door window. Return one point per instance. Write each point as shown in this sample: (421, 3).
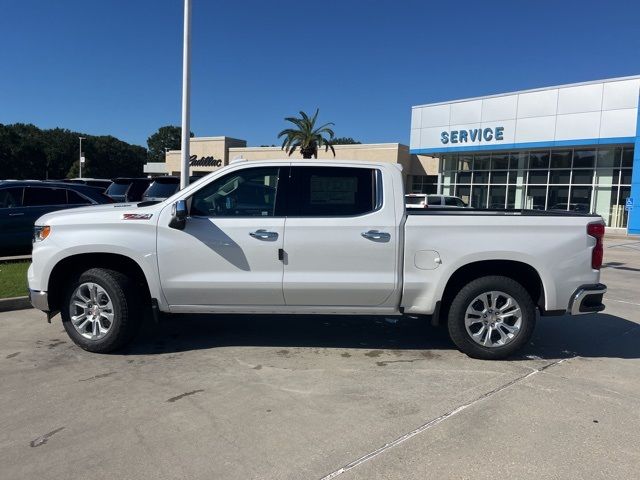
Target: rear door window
(40, 196)
(332, 191)
(11, 197)
(434, 200)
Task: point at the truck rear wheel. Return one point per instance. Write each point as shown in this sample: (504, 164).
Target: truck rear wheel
(100, 311)
(491, 318)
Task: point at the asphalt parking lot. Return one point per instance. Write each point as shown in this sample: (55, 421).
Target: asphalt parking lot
(236, 397)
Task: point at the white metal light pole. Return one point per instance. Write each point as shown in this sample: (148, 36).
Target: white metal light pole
(186, 60)
(80, 157)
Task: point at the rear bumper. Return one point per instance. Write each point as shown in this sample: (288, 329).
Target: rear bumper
(587, 299)
(39, 300)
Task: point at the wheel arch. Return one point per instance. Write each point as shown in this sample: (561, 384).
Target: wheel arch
(74, 265)
(521, 272)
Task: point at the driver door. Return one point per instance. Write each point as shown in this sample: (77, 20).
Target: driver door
(228, 252)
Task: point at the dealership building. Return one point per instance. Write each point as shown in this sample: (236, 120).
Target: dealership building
(568, 147)
(208, 154)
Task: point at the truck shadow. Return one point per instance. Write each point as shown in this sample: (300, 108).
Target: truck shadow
(595, 336)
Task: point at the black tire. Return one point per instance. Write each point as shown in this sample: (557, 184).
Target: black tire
(462, 301)
(127, 310)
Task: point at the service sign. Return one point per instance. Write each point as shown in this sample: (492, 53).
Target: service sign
(472, 135)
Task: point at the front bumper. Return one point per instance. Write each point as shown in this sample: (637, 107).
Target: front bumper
(587, 299)
(39, 300)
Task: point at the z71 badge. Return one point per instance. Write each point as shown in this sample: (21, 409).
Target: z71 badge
(137, 216)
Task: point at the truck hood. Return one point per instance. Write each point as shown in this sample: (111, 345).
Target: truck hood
(100, 214)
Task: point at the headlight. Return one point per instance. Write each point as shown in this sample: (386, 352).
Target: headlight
(41, 232)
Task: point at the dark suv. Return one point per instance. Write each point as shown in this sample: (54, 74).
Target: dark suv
(23, 202)
(99, 183)
(128, 189)
(161, 188)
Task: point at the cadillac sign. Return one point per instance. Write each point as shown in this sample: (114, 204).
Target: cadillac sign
(194, 161)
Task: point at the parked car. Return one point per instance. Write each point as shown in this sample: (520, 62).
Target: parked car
(161, 188)
(341, 243)
(22, 202)
(573, 207)
(100, 183)
(128, 189)
(423, 200)
(164, 187)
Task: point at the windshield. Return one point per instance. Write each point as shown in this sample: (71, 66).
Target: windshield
(161, 190)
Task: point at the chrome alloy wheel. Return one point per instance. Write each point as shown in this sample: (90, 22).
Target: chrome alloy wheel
(91, 311)
(493, 319)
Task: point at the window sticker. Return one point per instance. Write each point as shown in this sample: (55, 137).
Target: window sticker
(333, 190)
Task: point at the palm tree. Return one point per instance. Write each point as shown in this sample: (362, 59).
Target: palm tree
(306, 136)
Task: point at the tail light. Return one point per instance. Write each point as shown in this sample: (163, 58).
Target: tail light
(596, 230)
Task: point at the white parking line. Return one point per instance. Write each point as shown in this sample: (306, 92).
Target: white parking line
(622, 301)
(436, 421)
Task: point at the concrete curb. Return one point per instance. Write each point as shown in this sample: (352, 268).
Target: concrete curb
(15, 258)
(14, 303)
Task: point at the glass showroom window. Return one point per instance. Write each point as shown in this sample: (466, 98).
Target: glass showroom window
(485, 180)
(612, 184)
(424, 184)
(581, 179)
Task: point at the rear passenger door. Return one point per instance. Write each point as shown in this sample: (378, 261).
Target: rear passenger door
(341, 238)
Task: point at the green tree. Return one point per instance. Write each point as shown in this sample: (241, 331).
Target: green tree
(167, 137)
(345, 141)
(29, 152)
(306, 136)
(108, 157)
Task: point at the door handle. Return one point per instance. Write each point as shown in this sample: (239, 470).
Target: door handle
(377, 235)
(16, 214)
(262, 234)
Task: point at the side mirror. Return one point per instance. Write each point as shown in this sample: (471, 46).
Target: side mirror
(178, 215)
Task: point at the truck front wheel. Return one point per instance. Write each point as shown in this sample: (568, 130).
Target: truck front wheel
(491, 318)
(99, 310)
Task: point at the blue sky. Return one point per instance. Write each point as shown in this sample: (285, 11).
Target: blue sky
(114, 66)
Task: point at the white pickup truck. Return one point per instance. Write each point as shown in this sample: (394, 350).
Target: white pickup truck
(312, 237)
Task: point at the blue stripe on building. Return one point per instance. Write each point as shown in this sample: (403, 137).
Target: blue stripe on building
(533, 145)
